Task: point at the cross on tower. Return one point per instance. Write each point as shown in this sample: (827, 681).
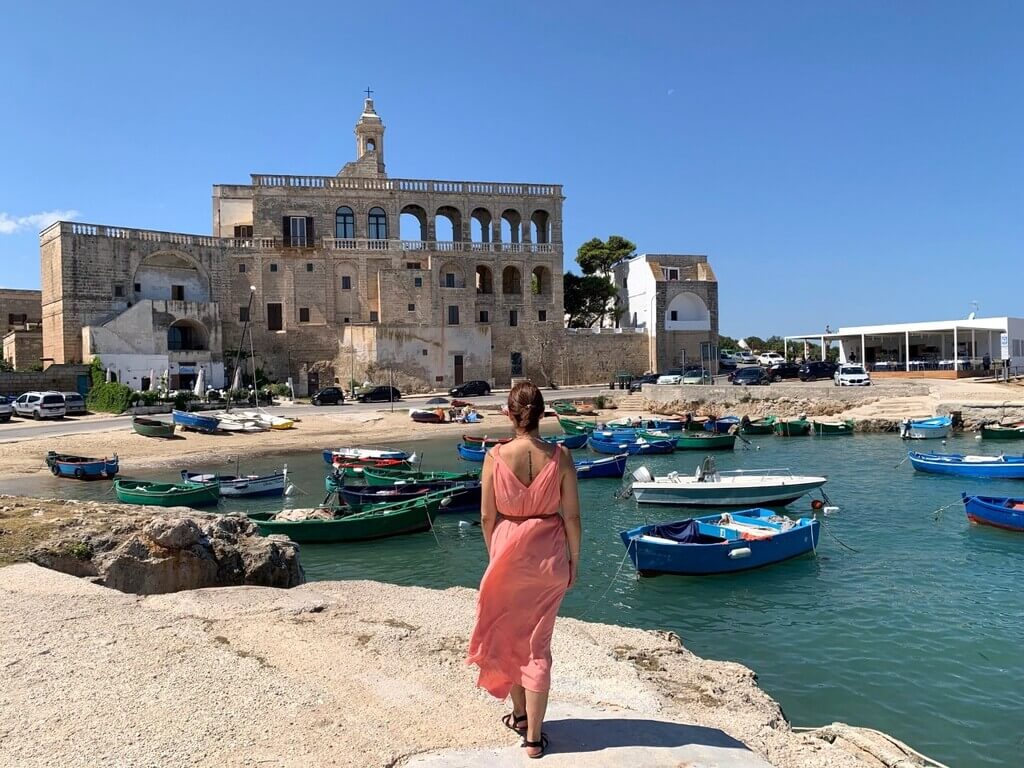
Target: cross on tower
(368, 92)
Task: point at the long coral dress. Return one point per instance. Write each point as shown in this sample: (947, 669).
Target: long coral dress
(524, 583)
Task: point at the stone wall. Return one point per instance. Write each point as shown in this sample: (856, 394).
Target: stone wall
(62, 378)
(24, 349)
(14, 303)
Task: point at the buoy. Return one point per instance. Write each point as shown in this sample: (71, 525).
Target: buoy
(831, 510)
(465, 524)
(817, 504)
(735, 554)
(289, 490)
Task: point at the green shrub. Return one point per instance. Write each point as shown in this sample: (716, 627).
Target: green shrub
(599, 402)
(104, 396)
(149, 397)
(182, 399)
(80, 550)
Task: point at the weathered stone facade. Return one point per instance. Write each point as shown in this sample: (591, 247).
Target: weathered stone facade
(337, 289)
(19, 309)
(24, 349)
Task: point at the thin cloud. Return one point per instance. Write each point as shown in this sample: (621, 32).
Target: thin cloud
(10, 225)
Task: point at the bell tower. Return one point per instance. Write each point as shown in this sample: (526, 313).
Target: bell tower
(370, 136)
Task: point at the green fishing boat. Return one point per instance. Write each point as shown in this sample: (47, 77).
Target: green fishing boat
(153, 427)
(167, 494)
(702, 441)
(1002, 431)
(830, 428)
(575, 426)
(377, 521)
(563, 408)
(765, 426)
(792, 427)
(384, 477)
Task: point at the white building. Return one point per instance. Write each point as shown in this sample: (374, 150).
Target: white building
(937, 349)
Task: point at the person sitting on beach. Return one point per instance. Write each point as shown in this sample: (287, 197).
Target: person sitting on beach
(530, 517)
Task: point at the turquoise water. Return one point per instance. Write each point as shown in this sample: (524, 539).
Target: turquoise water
(917, 632)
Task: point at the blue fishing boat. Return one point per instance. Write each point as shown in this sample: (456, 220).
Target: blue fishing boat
(240, 486)
(81, 467)
(333, 456)
(1005, 467)
(634, 446)
(997, 511)
(472, 452)
(721, 425)
(612, 466)
(195, 421)
(567, 441)
(651, 425)
(724, 543)
(926, 429)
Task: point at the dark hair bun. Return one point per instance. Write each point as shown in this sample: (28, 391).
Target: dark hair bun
(525, 406)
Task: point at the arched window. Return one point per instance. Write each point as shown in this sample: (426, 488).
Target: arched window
(484, 279)
(412, 224)
(448, 224)
(344, 223)
(511, 281)
(510, 226)
(540, 281)
(480, 226)
(687, 312)
(378, 224)
(186, 335)
(540, 227)
(371, 145)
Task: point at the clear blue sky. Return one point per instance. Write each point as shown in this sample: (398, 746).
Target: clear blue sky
(839, 162)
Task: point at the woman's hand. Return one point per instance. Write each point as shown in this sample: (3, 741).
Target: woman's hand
(573, 564)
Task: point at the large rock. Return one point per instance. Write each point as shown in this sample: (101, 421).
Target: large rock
(149, 553)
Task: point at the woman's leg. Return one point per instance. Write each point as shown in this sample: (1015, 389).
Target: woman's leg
(518, 700)
(536, 707)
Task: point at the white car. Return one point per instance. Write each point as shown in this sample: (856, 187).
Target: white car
(5, 410)
(770, 358)
(851, 376)
(40, 405)
(670, 378)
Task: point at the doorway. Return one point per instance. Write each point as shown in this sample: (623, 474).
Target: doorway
(516, 359)
(459, 370)
(313, 382)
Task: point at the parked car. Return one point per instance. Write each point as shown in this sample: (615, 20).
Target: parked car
(697, 376)
(328, 396)
(471, 389)
(745, 356)
(381, 394)
(671, 376)
(6, 411)
(726, 363)
(817, 369)
(851, 376)
(40, 405)
(770, 358)
(783, 370)
(753, 375)
(637, 384)
(74, 403)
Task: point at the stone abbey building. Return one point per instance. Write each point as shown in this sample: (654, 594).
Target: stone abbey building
(331, 286)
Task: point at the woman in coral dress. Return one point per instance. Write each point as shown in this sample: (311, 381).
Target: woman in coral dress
(530, 516)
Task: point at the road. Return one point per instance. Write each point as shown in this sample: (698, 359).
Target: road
(25, 429)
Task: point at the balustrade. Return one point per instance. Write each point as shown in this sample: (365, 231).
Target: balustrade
(408, 185)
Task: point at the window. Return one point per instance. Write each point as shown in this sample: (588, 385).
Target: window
(542, 315)
(118, 290)
(346, 283)
(303, 314)
(309, 266)
(449, 280)
(670, 273)
(513, 318)
(177, 293)
(346, 320)
(413, 265)
(412, 307)
(241, 267)
(243, 231)
(417, 282)
(273, 267)
(137, 287)
(274, 317)
(453, 314)
(485, 316)
(424, 353)
(296, 234)
(516, 363)
(13, 319)
(374, 316)
(378, 224)
(243, 314)
(344, 223)
(673, 315)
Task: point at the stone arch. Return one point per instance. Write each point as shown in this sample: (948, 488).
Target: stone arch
(450, 275)
(480, 225)
(451, 220)
(540, 226)
(690, 313)
(540, 281)
(413, 218)
(484, 279)
(511, 226)
(187, 335)
(511, 280)
(159, 271)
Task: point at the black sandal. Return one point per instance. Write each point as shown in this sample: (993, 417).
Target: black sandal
(542, 745)
(512, 720)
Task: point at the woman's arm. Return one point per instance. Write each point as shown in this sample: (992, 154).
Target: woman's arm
(571, 513)
(488, 506)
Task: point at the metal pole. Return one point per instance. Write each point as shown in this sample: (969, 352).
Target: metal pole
(391, 388)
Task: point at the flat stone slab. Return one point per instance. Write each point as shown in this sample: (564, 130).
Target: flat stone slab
(586, 737)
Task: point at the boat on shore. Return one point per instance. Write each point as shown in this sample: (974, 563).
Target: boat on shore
(610, 466)
(709, 487)
(792, 427)
(239, 486)
(998, 511)
(720, 543)
(832, 428)
(81, 467)
(166, 494)
(153, 427)
(926, 429)
(1005, 467)
(196, 422)
(425, 416)
(1002, 431)
(763, 426)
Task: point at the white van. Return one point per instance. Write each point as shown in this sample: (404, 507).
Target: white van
(40, 405)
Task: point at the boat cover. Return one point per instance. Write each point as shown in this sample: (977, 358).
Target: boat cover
(685, 532)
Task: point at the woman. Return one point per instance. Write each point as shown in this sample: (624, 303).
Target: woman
(530, 516)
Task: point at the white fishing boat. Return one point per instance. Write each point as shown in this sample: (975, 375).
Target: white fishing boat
(708, 487)
(926, 429)
(267, 420)
(236, 422)
(273, 484)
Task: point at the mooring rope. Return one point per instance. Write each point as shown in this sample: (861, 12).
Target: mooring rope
(836, 538)
(604, 594)
(936, 514)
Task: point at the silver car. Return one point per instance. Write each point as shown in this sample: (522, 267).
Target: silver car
(74, 403)
(40, 405)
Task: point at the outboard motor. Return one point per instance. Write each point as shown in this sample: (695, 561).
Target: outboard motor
(905, 429)
(642, 475)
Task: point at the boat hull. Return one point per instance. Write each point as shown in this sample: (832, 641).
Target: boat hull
(995, 432)
(153, 427)
(362, 455)
(721, 426)
(631, 447)
(1008, 468)
(388, 477)
(721, 549)
(833, 428)
(166, 494)
(378, 523)
(926, 429)
(464, 496)
(793, 428)
(81, 467)
(723, 494)
(572, 442)
(476, 441)
(470, 453)
(240, 487)
(705, 442)
(998, 512)
(575, 426)
(613, 466)
(758, 428)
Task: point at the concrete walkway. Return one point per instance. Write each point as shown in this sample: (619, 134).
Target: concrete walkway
(586, 737)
